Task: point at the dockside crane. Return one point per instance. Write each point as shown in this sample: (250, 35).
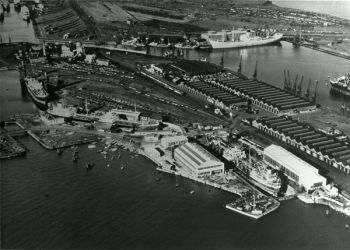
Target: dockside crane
(295, 83)
(289, 83)
(222, 59)
(300, 86)
(240, 66)
(314, 94)
(285, 80)
(307, 92)
(256, 71)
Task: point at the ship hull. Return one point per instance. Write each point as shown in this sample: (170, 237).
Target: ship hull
(39, 102)
(229, 45)
(339, 89)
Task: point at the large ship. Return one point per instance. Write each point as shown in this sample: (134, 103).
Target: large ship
(341, 84)
(128, 118)
(116, 117)
(239, 38)
(262, 176)
(36, 90)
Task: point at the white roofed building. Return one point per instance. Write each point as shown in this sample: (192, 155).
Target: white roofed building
(295, 168)
(198, 160)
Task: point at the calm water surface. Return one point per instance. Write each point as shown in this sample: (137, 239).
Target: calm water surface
(47, 201)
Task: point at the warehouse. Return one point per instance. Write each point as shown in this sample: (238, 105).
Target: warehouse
(327, 148)
(213, 94)
(199, 161)
(265, 96)
(295, 168)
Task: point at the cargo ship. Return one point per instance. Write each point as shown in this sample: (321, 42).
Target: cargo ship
(36, 91)
(239, 38)
(341, 84)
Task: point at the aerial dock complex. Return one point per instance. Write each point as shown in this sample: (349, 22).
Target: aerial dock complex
(326, 147)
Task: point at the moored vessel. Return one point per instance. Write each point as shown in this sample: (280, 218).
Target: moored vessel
(36, 90)
(341, 84)
(240, 38)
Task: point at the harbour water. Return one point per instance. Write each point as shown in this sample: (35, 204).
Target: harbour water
(47, 201)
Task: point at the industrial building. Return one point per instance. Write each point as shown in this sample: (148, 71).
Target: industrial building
(295, 168)
(264, 95)
(199, 161)
(213, 94)
(322, 146)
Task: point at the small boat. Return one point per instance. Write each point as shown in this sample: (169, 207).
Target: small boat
(346, 226)
(122, 167)
(192, 192)
(177, 184)
(327, 212)
(107, 165)
(112, 158)
(89, 166)
(119, 156)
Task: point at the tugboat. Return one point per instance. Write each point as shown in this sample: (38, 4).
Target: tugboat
(341, 84)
